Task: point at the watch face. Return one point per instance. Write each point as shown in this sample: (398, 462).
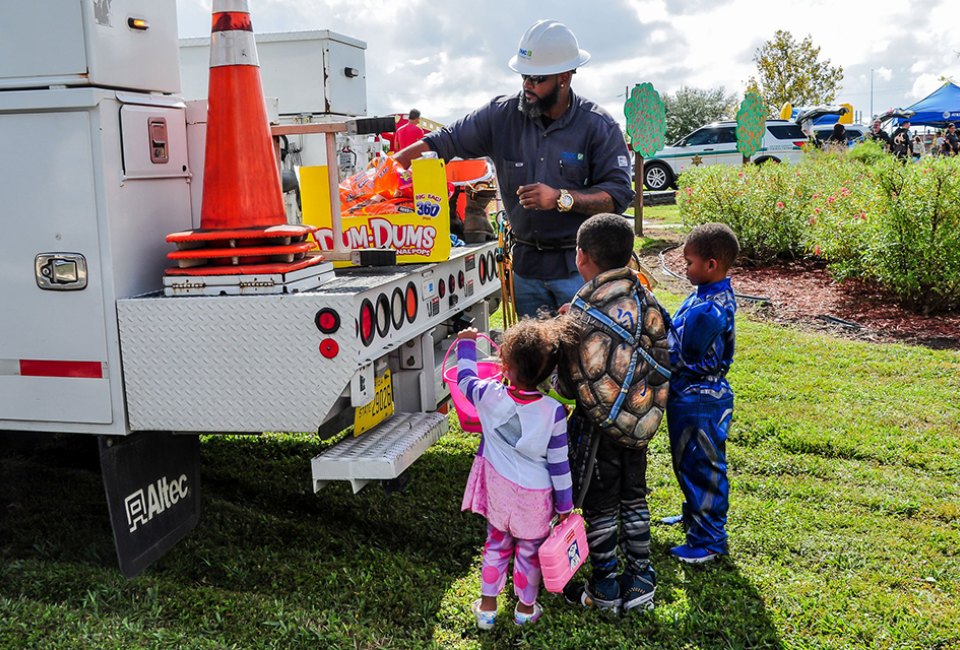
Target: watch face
(566, 201)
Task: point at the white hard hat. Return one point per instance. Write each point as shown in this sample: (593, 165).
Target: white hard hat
(548, 47)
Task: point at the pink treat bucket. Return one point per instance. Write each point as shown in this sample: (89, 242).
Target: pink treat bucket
(466, 413)
(563, 552)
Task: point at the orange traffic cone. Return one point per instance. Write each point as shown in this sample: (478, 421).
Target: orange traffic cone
(242, 218)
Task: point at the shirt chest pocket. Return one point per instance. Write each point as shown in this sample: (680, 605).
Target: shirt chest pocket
(574, 173)
(515, 173)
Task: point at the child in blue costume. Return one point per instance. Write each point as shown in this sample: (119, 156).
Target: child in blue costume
(700, 405)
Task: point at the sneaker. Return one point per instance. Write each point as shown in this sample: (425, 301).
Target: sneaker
(636, 591)
(485, 619)
(603, 594)
(672, 520)
(519, 618)
(693, 555)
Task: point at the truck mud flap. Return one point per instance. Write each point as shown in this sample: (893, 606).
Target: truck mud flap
(152, 481)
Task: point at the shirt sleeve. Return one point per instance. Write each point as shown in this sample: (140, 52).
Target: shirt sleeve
(703, 323)
(559, 465)
(610, 166)
(468, 381)
(469, 137)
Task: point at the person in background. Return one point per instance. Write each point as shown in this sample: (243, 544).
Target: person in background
(877, 134)
(900, 144)
(560, 158)
(700, 406)
(409, 133)
(837, 139)
(952, 140)
(917, 147)
(520, 476)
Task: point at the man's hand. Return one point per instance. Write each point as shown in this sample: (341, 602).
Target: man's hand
(538, 196)
(469, 334)
(404, 156)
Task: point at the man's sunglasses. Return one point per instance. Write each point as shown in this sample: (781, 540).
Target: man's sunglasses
(536, 80)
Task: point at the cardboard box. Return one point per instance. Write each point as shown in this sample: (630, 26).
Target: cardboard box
(420, 237)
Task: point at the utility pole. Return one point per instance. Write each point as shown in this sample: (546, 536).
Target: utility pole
(871, 94)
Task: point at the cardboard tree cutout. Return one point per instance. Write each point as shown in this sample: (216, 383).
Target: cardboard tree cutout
(646, 125)
(751, 121)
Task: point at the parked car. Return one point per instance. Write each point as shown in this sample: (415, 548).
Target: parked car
(716, 144)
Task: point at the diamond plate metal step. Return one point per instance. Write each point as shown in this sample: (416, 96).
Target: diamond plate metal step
(379, 454)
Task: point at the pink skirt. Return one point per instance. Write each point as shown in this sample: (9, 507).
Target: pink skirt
(523, 512)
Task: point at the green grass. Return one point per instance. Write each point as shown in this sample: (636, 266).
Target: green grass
(844, 532)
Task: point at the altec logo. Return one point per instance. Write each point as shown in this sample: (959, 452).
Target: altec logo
(146, 503)
(525, 54)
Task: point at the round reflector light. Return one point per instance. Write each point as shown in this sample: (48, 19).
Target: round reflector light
(482, 269)
(442, 288)
(460, 279)
(329, 348)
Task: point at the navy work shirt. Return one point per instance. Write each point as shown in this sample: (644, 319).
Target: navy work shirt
(585, 148)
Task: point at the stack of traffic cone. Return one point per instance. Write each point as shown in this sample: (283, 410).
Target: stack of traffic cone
(243, 227)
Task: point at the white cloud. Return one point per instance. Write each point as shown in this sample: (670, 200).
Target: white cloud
(447, 58)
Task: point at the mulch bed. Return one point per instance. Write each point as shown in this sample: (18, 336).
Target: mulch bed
(802, 293)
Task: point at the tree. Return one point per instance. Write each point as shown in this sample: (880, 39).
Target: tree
(788, 71)
(691, 108)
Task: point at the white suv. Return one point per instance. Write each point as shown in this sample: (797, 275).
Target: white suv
(716, 144)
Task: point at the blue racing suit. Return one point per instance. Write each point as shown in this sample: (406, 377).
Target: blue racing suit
(699, 410)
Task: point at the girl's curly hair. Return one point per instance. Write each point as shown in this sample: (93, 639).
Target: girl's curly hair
(532, 347)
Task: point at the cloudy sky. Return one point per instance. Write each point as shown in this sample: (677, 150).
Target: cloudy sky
(446, 57)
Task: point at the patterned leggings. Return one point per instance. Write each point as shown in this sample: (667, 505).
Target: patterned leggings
(615, 509)
(498, 550)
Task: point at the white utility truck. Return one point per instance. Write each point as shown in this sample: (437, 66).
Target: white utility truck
(98, 165)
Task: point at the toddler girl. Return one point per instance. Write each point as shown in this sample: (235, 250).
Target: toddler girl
(520, 476)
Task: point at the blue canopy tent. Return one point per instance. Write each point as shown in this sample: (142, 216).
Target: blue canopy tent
(937, 109)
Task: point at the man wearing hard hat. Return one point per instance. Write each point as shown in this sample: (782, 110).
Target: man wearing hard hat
(560, 158)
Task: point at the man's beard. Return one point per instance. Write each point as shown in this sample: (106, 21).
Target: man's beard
(536, 109)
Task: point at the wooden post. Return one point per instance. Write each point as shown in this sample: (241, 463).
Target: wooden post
(638, 199)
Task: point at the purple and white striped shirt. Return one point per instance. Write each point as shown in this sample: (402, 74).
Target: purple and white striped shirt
(524, 432)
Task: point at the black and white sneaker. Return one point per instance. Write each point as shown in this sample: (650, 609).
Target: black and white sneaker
(636, 591)
(603, 594)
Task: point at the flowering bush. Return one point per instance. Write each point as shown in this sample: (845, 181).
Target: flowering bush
(866, 216)
(913, 245)
(762, 204)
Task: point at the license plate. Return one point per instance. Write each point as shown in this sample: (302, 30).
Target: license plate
(377, 410)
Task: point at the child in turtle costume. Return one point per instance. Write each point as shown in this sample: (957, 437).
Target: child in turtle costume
(618, 371)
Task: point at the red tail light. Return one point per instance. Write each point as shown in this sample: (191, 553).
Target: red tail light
(366, 322)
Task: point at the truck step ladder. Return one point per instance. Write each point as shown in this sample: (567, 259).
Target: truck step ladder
(382, 453)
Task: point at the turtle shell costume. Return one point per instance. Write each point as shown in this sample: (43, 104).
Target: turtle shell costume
(620, 370)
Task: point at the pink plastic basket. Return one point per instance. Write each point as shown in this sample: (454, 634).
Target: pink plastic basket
(466, 413)
(563, 552)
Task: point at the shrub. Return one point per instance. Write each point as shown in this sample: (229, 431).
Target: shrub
(914, 240)
(864, 212)
(869, 152)
(761, 203)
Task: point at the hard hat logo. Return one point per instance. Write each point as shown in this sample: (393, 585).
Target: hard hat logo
(548, 47)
